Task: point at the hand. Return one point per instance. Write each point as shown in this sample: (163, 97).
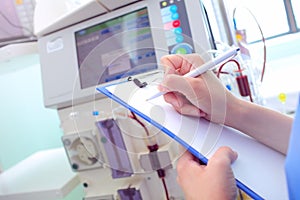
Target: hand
(214, 181)
(203, 96)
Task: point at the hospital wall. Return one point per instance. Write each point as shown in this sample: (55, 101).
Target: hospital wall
(26, 126)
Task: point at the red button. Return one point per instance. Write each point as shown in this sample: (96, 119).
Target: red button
(176, 23)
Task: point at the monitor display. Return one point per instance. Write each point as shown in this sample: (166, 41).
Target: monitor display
(117, 48)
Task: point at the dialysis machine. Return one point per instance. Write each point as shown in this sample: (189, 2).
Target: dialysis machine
(116, 154)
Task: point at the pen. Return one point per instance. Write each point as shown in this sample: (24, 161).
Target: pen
(205, 67)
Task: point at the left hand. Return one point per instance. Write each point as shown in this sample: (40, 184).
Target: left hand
(212, 182)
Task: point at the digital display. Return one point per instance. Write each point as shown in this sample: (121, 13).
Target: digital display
(116, 48)
(176, 26)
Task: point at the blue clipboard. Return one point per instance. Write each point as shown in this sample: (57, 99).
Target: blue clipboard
(259, 170)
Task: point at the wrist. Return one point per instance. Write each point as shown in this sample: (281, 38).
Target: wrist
(234, 112)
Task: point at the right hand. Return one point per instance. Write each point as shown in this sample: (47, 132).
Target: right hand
(203, 96)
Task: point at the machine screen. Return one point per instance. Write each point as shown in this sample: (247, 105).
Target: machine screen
(176, 26)
(116, 48)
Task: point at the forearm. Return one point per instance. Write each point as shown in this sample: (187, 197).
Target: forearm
(265, 125)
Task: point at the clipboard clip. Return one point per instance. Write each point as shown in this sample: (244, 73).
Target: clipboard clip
(138, 83)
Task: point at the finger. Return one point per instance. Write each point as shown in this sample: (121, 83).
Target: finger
(183, 85)
(186, 160)
(188, 167)
(182, 105)
(173, 63)
(186, 156)
(181, 63)
(223, 157)
(190, 110)
(174, 99)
